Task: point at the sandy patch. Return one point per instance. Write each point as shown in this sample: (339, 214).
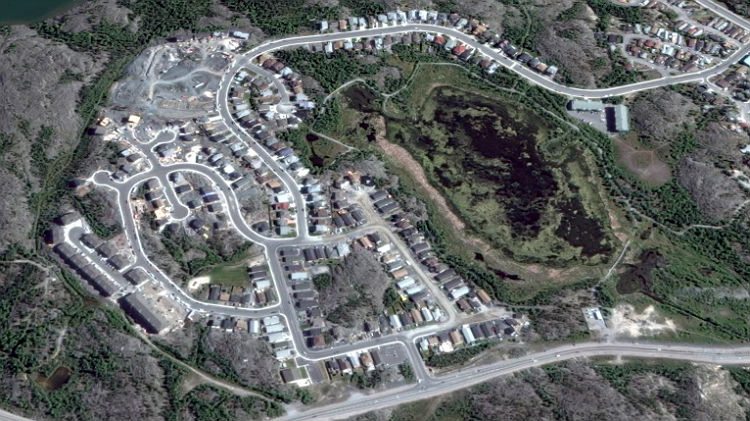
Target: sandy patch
(717, 388)
(197, 282)
(626, 321)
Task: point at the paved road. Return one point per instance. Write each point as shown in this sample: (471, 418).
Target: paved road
(432, 387)
(222, 105)
(271, 246)
(427, 386)
(530, 75)
(7, 416)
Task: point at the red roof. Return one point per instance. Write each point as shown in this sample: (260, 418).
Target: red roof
(459, 49)
(439, 40)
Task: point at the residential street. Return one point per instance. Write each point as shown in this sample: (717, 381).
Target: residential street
(427, 384)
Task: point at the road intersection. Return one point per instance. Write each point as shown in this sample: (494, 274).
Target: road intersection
(427, 385)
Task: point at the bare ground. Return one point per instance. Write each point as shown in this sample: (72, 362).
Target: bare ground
(643, 163)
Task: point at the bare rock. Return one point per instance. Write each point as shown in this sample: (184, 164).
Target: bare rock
(715, 193)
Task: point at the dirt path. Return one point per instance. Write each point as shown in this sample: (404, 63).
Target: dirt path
(202, 376)
(491, 255)
(408, 163)
(59, 342)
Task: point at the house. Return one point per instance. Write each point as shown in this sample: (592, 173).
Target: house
(456, 338)
(524, 58)
(405, 282)
(106, 250)
(275, 338)
(344, 365)
(459, 292)
(240, 35)
(366, 360)
(379, 195)
(294, 376)
(136, 276)
(467, 334)
(445, 275)
(91, 241)
(426, 314)
(477, 332)
(463, 305)
(395, 322)
(105, 286)
(140, 310)
(483, 296)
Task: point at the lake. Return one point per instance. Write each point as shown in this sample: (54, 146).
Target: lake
(30, 11)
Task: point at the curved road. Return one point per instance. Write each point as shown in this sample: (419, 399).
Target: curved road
(527, 73)
(428, 385)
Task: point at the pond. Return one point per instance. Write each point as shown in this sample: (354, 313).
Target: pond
(58, 379)
(489, 146)
(31, 11)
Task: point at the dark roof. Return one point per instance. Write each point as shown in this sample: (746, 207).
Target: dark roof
(65, 250)
(136, 306)
(104, 285)
(118, 261)
(136, 276)
(91, 240)
(445, 275)
(107, 250)
(309, 254)
(213, 292)
(290, 374)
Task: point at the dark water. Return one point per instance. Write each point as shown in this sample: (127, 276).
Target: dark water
(509, 161)
(361, 98)
(580, 230)
(31, 11)
(56, 380)
(638, 277)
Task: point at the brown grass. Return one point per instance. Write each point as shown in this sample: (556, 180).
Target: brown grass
(642, 163)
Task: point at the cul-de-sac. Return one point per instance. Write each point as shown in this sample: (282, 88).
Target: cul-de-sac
(241, 209)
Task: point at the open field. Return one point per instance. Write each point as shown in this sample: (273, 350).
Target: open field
(645, 164)
(228, 275)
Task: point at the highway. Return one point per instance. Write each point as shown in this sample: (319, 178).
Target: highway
(427, 385)
(470, 376)
(460, 379)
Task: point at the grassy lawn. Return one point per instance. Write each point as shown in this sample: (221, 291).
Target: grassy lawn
(228, 275)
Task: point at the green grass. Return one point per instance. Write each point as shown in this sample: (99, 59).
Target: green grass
(228, 275)
(702, 259)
